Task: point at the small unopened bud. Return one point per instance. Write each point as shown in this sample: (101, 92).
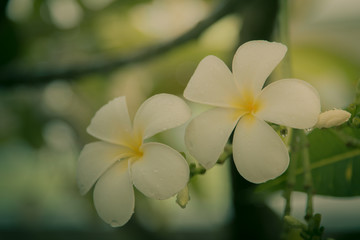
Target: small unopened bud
(352, 108)
(183, 197)
(332, 118)
(356, 121)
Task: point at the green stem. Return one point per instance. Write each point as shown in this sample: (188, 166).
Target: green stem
(200, 170)
(284, 36)
(291, 172)
(283, 21)
(196, 170)
(226, 154)
(308, 186)
(283, 25)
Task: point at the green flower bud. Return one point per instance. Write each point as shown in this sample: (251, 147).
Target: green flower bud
(356, 122)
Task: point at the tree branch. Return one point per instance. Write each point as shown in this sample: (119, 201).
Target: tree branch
(12, 76)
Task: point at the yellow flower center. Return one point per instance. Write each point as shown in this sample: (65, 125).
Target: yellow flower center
(247, 104)
(134, 143)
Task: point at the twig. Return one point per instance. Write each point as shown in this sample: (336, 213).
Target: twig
(13, 76)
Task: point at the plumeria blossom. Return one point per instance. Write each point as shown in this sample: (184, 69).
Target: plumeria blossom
(242, 103)
(122, 159)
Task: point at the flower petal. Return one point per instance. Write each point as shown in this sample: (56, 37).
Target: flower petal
(259, 153)
(207, 134)
(290, 102)
(212, 83)
(94, 159)
(254, 61)
(111, 122)
(114, 195)
(159, 113)
(161, 172)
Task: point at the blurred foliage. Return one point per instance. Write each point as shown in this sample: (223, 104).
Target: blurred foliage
(43, 128)
(334, 164)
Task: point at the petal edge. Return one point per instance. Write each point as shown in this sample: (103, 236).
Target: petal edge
(290, 102)
(95, 158)
(212, 83)
(207, 134)
(114, 198)
(259, 153)
(159, 113)
(254, 61)
(111, 122)
(161, 172)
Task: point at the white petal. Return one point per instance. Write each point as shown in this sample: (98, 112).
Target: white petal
(254, 61)
(207, 134)
(161, 172)
(290, 102)
(114, 195)
(159, 113)
(94, 159)
(259, 153)
(111, 122)
(212, 83)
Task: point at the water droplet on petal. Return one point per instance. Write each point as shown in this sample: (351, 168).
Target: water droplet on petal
(308, 130)
(283, 132)
(114, 223)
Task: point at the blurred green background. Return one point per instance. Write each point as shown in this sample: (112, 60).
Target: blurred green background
(43, 126)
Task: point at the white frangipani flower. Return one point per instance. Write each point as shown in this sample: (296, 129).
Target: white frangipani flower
(122, 159)
(241, 102)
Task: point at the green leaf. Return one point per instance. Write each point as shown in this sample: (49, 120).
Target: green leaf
(335, 167)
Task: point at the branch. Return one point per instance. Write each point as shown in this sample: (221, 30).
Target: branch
(11, 76)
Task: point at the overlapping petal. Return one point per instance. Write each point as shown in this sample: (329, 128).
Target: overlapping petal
(111, 123)
(161, 172)
(207, 134)
(254, 61)
(114, 195)
(159, 113)
(290, 102)
(94, 160)
(212, 83)
(259, 153)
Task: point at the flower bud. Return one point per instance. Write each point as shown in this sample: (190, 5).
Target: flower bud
(332, 118)
(183, 197)
(356, 122)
